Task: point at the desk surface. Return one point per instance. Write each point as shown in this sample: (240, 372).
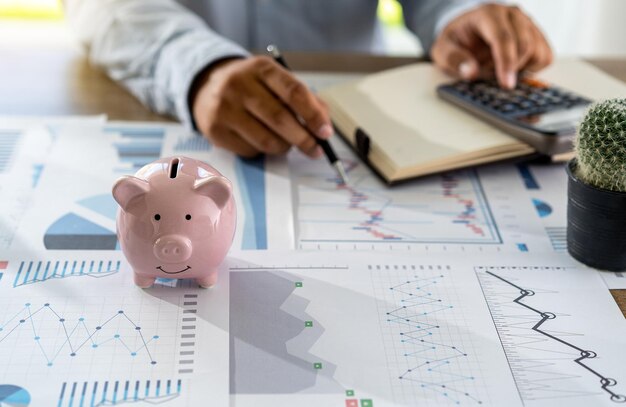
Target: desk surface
(61, 82)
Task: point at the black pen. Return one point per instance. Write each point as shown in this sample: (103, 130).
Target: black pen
(328, 150)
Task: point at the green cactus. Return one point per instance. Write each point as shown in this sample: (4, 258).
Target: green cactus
(601, 146)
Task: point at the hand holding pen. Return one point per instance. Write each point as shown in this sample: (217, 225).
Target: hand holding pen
(254, 105)
(321, 141)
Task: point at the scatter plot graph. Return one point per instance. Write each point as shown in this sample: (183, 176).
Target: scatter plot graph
(77, 335)
(443, 209)
(32, 272)
(429, 362)
(116, 392)
(546, 361)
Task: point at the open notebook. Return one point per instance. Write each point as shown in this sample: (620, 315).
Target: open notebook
(398, 124)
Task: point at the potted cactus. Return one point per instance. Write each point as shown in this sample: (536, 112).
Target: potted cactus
(596, 208)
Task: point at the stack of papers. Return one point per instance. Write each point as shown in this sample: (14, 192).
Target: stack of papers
(450, 290)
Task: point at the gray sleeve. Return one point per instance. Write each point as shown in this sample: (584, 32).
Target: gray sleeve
(426, 18)
(154, 48)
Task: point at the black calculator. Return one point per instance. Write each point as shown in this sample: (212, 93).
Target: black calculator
(537, 113)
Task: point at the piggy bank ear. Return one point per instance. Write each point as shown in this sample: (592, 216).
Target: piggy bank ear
(217, 188)
(127, 188)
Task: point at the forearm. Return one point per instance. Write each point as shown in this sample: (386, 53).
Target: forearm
(155, 48)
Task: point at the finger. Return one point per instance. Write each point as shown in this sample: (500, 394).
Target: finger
(298, 97)
(258, 135)
(454, 59)
(228, 139)
(277, 117)
(523, 27)
(496, 30)
(542, 55)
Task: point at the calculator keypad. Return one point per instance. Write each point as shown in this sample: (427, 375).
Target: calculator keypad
(530, 97)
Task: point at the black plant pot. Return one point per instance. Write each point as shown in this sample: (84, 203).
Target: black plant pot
(596, 224)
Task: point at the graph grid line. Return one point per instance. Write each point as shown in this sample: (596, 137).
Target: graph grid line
(77, 336)
(119, 392)
(429, 359)
(544, 316)
(32, 272)
(378, 215)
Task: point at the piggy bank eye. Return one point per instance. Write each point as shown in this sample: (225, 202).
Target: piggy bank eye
(157, 217)
(188, 217)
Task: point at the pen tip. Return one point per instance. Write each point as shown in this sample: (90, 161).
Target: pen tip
(341, 171)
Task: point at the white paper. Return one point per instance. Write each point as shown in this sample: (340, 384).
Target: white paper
(72, 206)
(583, 78)
(75, 330)
(614, 280)
(393, 329)
(25, 143)
(503, 207)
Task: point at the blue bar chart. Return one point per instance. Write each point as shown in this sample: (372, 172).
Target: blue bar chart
(114, 392)
(193, 143)
(251, 181)
(8, 143)
(138, 145)
(32, 272)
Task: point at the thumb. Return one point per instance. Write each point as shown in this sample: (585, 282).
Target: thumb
(455, 60)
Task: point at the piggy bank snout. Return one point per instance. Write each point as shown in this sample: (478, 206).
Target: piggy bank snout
(172, 249)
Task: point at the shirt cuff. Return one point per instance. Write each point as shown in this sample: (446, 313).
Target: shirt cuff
(454, 11)
(188, 57)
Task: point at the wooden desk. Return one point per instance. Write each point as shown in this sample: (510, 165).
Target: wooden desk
(61, 82)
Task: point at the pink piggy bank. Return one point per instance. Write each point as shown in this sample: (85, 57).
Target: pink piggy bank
(177, 219)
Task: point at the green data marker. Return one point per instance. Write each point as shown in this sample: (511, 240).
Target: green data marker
(317, 365)
(367, 403)
(308, 324)
(349, 393)
(298, 283)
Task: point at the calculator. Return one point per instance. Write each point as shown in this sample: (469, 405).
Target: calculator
(537, 113)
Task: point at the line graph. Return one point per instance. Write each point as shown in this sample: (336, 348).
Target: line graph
(115, 392)
(76, 336)
(449, 208)
(429, 360)
(271, 331)
(540, 357)
(32, 272)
